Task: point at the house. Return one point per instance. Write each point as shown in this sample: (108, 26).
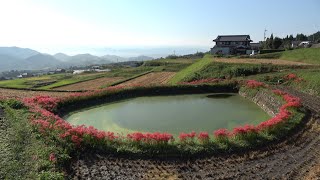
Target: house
(59, 70)
(301, 44)
(231, 44)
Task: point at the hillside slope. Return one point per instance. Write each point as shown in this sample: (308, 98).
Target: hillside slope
(192, 69)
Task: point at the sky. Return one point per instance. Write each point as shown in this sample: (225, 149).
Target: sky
(53, 26)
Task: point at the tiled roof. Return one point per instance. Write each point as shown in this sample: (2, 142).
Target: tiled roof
(233, 38)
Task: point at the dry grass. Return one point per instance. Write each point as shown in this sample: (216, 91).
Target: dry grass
(90, 85)
(155, 78)
(259, 61)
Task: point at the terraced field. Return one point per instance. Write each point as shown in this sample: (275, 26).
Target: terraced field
(91, 85)
(259, 61)
(15, 93)
(154, 78)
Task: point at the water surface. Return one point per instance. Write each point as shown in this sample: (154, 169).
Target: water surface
(172, 114)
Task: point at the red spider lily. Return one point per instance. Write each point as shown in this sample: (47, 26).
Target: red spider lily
(202, 81)
(52, 157)
(46, 102)
(254, 84)
(291, 76)
(203, 137)
(187, 136)
(244, 130)
(278, 92)
(221, 133)
(76, 139)
(155, 137)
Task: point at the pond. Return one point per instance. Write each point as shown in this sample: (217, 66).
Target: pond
(172, 114)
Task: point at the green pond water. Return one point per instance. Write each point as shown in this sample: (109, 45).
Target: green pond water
(172, 114)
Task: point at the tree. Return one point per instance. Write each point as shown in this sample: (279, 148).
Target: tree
(276, 43)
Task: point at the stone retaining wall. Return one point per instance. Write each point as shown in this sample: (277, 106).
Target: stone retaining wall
(265, 100)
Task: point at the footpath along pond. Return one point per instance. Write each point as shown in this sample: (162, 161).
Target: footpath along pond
(172, 114)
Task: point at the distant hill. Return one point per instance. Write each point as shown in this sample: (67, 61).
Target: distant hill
(15, 58)
(62, 56)
(8, 62)
(17, 52)
(42, 61)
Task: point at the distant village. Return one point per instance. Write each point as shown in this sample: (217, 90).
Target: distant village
(16, 74)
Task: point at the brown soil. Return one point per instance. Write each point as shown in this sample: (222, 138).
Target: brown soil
(90, 85)
(259, 61)
(297, 157)
(155, 78)
(15, 93)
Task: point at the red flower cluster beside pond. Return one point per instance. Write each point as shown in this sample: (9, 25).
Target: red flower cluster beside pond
(46, 102)
(293, 77)
(52, 125)
(254, 84)
(202, 81)
(155, 137)
(281, 117)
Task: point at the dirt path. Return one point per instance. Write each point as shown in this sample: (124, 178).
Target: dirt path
(259, 61)
(297, 157)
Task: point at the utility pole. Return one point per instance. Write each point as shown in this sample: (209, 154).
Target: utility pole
(264, 34)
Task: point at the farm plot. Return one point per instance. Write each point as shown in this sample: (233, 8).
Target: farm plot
(259, 61)
(155, 78)
(90, 85)
(14, 93)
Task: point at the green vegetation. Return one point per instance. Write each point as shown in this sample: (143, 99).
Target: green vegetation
(310, 82)
(169, 65)
(305, 55)
(24, 153)
(228, 70)
(192, 70)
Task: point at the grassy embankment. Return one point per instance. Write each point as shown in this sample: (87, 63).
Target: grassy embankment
(192, 70)
(305, 55)
(24, 154)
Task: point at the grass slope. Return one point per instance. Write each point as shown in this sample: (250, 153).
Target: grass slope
(191, 70)
(305, 55)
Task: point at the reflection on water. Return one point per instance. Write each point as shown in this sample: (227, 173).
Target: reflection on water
(173, 114)
(220, 95)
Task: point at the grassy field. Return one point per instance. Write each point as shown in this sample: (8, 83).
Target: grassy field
(169, 65)
(305, 55)
(23, 154)
(192, 70)
(310, 83)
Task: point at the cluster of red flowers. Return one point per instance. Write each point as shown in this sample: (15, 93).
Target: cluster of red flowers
(150, 138)
(254, 84)
(221, 133)
(52, 157)
(283, 115)
(202, 81)
(46, 102)
(46, 121)
(187, 136)
(203, 137)
(293, 77)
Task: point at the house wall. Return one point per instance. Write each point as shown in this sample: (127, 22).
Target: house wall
(224, 50)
